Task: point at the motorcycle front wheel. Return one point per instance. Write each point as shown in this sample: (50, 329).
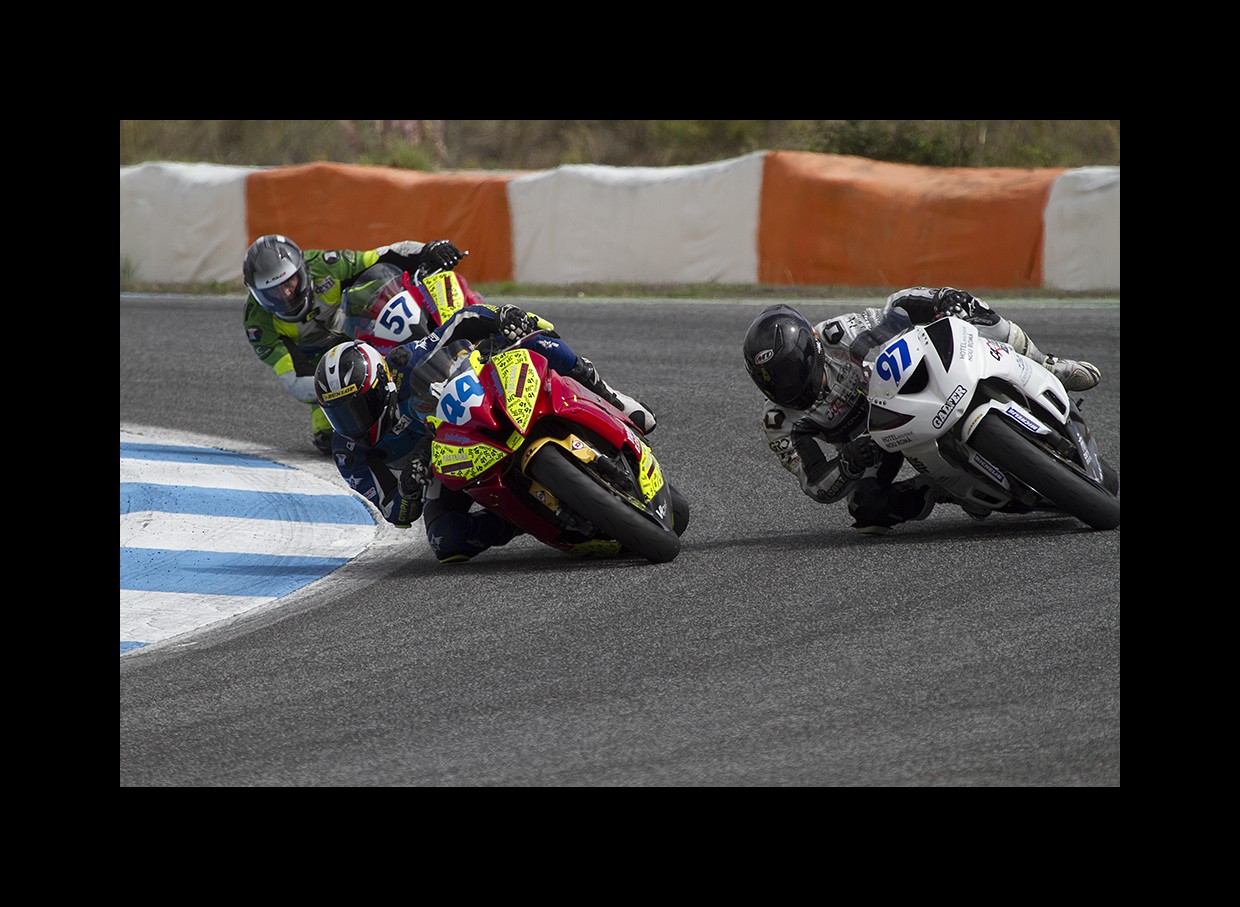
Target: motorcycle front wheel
(586, 496)
(1062, 483)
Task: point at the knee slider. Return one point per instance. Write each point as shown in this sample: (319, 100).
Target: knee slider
(446, 534)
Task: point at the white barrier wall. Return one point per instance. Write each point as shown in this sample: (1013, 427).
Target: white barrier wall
(183, 223)
(1081, 246)
(590, 223)
(187, 223)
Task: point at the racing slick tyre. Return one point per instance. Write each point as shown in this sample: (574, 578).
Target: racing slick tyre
(1062, 483)
(583, 492)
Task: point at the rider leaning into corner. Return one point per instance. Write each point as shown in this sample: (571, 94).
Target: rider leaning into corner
(815, 420)
(292, 312)
(382, 446)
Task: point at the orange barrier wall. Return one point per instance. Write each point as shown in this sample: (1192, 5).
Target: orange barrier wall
(835, 219)
(346, 206)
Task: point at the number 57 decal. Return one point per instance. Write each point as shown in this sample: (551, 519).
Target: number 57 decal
(396, 314)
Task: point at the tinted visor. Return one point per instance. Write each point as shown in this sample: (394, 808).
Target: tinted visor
(792, 383)
(355, 412)
(288, 300)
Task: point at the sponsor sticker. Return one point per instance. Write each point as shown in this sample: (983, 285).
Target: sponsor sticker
(985, 466)
(1023, 419)
(343, 392)
(949, 406)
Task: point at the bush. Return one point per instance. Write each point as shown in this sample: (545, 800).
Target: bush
(544, 144)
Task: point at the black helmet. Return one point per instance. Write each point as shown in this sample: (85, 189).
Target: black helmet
(784, 357)
(353, 386)
(275, 271)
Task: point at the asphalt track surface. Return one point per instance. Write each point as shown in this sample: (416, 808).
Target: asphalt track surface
(779, 649)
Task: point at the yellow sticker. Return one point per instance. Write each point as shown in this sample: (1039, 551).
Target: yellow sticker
(648, 472)
(464, 462)
(343, 392)
(519, 378)
(445, 291)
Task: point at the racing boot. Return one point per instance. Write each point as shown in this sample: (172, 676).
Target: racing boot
(641, 416)
(1074, 375)
(877, 506)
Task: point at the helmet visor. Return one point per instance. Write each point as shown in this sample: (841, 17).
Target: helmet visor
(793, 384)
(289, 299)
(353, 411)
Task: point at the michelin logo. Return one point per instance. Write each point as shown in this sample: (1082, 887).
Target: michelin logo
(987, 467)
(1023, 419)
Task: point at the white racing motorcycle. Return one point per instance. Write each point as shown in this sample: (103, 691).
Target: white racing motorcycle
(992, 429)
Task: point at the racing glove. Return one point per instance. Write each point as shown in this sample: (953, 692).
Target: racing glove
(858, 455)
(440, 255)
(398, 358)
(412, 485)
(950, 301)
(516, 324)
(416, 475)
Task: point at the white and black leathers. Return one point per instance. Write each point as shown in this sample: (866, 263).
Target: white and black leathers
(807, 442)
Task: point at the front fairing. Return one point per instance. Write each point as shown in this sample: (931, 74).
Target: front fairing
(381, 310)
(441, 294)
(480, 410)
(921, 380)
(916, 388)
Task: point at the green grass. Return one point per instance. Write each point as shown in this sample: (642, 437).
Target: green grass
(644, 291)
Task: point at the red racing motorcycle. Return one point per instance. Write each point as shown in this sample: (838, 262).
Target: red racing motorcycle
(546, 453)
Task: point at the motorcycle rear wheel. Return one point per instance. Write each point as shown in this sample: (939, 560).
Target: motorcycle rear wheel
(1004, 445)
(584, 493)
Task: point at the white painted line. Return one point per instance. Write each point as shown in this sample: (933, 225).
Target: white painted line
(210, 532)
(151, 617)
(193, 532)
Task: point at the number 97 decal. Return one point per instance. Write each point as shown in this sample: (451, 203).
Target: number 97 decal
(890, 366)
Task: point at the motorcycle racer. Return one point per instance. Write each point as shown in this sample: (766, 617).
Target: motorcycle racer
(292, 312)
(381, 444)
(815, 413)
